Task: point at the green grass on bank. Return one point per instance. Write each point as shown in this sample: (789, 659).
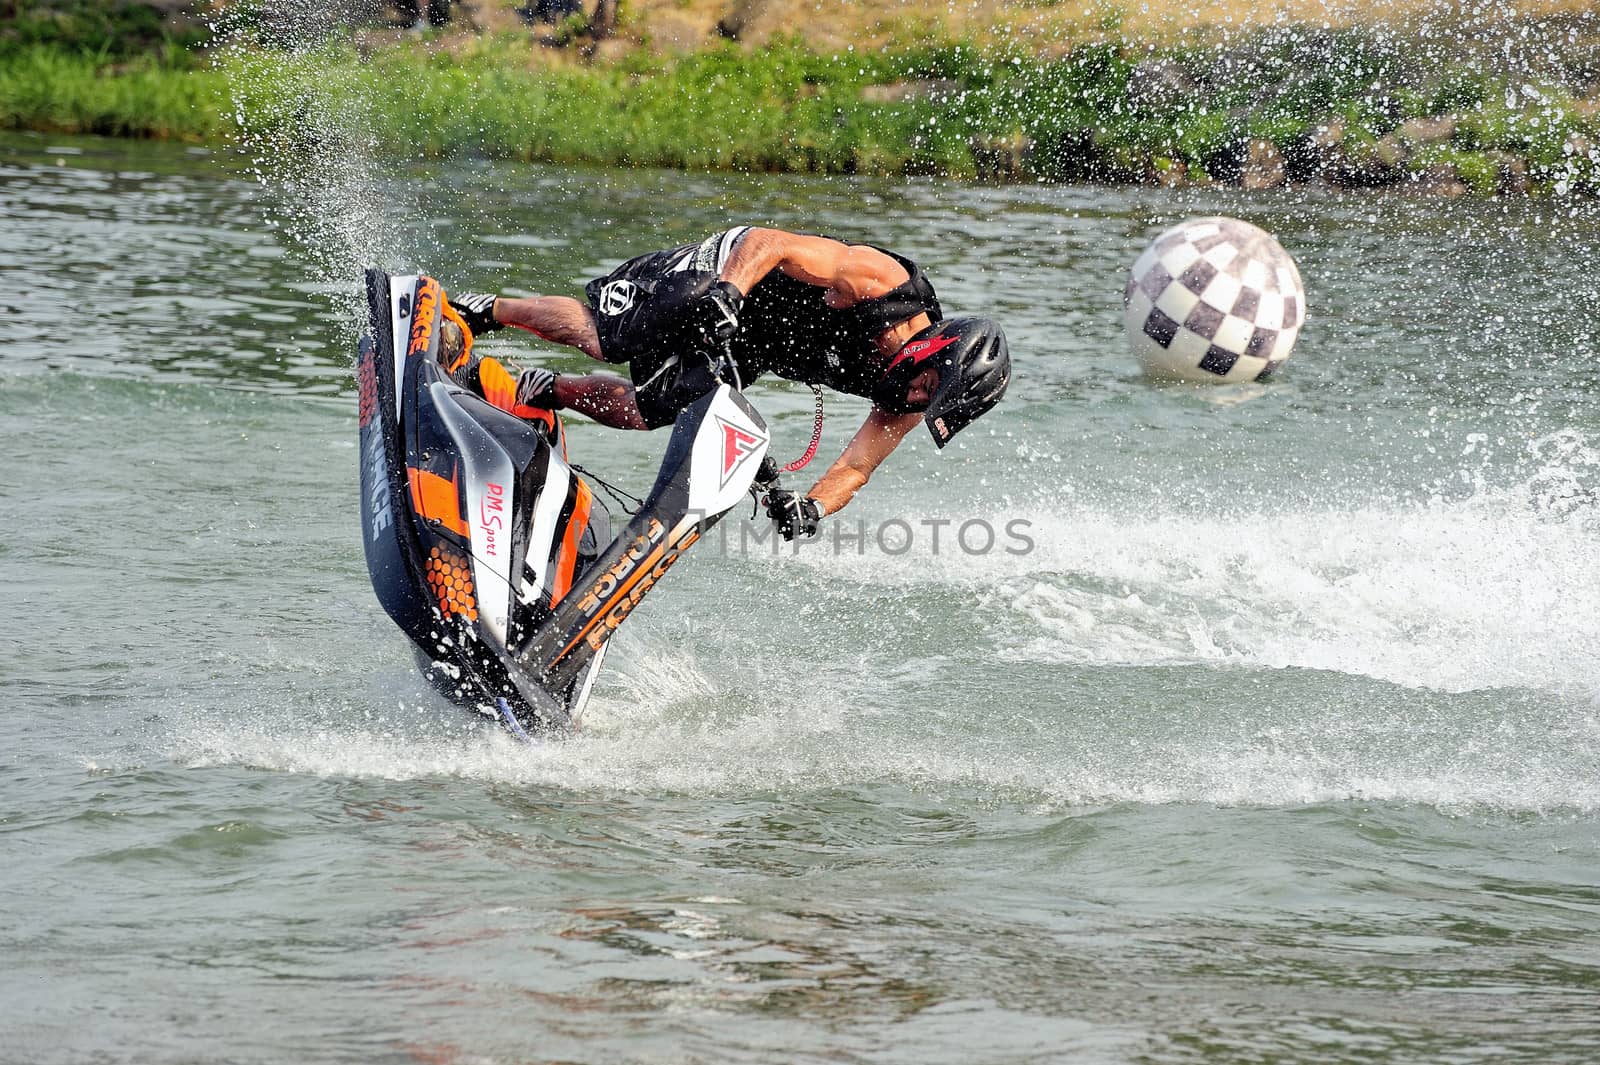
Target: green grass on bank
(783, 109)
(63, 92)
(1346, 107)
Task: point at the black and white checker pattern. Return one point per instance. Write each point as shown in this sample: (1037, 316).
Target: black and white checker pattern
(1214, 299)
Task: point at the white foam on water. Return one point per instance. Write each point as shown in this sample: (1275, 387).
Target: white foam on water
(663, 725)
(1442, 653)
(787, 751)
(1496, 590)
(1453, 598)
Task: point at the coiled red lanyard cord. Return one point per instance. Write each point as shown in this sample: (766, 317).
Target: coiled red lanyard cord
(816, 436)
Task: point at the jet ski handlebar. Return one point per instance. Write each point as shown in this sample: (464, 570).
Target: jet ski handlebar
(766, 477)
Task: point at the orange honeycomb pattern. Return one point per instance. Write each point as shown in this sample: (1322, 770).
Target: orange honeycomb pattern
(451, 582)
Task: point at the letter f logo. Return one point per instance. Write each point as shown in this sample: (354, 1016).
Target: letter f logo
(737, 444)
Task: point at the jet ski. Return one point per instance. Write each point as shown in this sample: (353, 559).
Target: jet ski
(488, 548)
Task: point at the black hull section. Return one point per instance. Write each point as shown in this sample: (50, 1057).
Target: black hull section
(391, 548)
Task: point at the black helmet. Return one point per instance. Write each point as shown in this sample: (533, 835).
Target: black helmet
(974, 368)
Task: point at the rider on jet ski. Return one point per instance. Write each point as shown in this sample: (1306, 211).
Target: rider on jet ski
(856, 318)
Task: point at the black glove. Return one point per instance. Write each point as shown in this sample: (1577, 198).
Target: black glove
(715, 316)
(477, 310)
(536, 387)
(793, 515)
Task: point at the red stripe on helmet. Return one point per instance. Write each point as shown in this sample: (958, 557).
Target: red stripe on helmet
(918, 350)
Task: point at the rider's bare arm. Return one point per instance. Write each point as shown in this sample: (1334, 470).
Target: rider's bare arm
(560, 319)
(606, 398)
(850, 273)
(879, 435)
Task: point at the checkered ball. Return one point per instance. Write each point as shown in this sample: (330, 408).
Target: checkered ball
(1215, 300)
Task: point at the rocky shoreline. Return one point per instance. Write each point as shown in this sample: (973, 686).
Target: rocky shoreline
(1344, 110)
(1408, 157)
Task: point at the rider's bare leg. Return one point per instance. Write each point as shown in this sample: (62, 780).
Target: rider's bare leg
(558, 318)
(604, 397)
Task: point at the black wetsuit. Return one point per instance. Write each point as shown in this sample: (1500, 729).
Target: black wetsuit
(785, 327)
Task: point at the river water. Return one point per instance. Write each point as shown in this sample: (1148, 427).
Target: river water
(1271, 735)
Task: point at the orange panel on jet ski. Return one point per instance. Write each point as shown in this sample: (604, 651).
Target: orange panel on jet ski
(437, 499)
(567, 557)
